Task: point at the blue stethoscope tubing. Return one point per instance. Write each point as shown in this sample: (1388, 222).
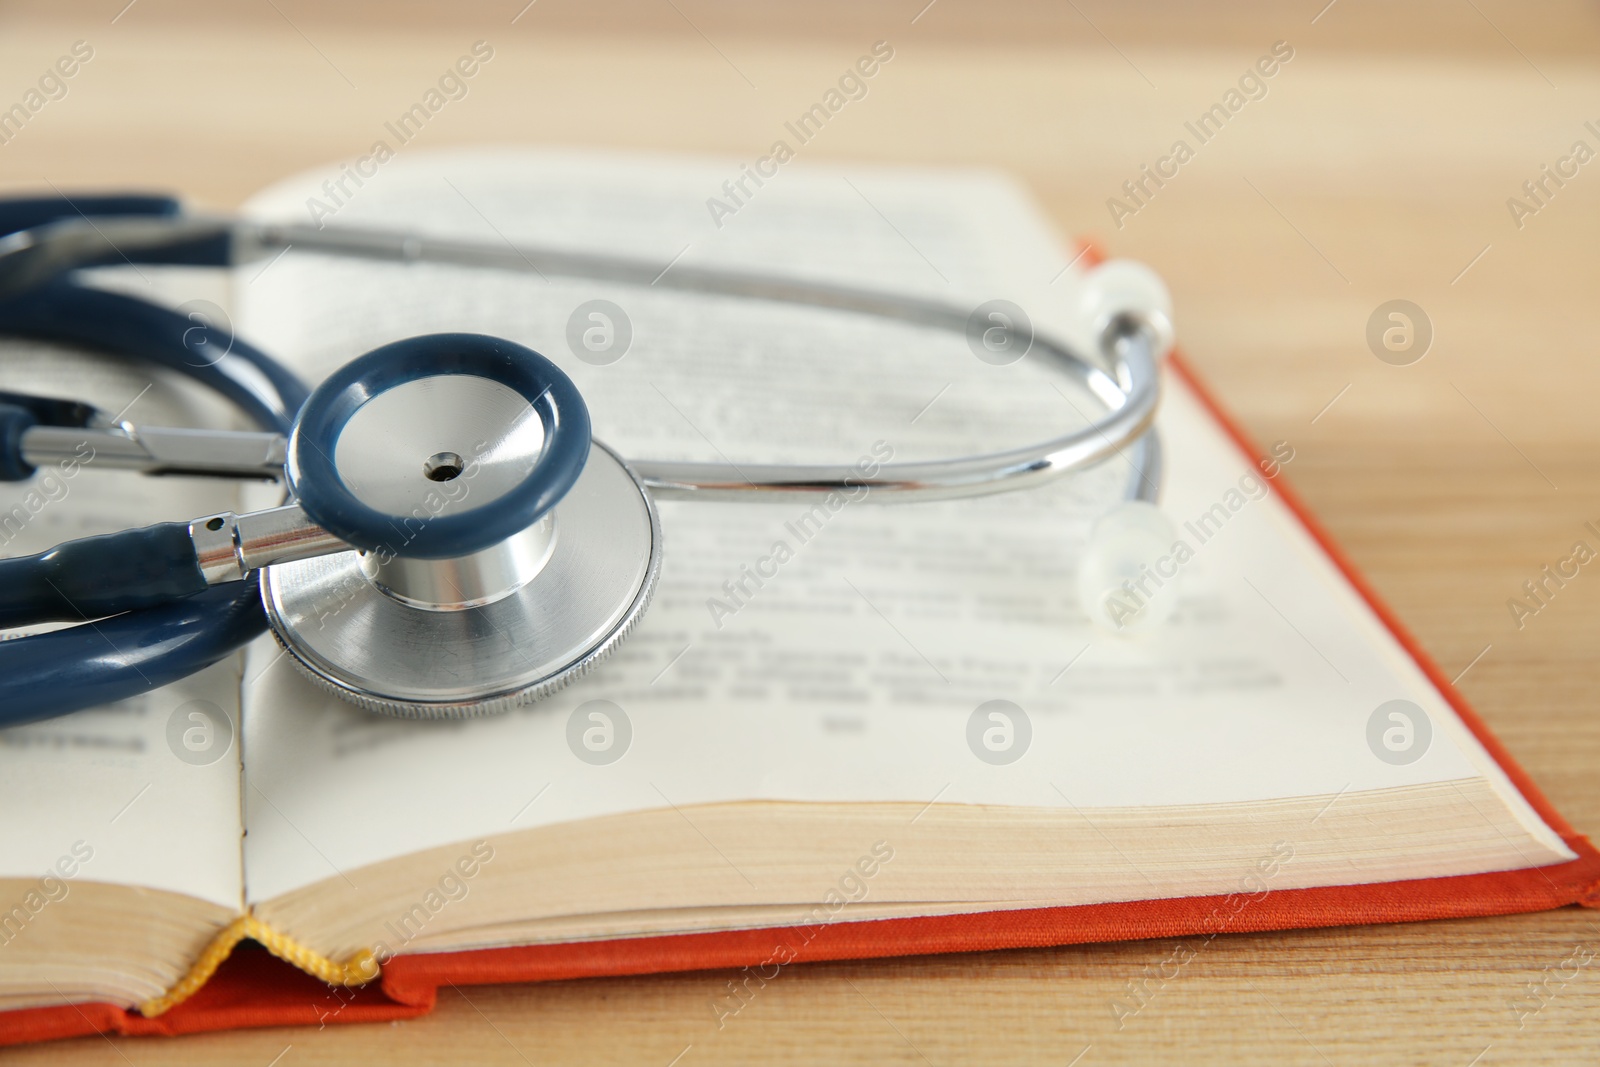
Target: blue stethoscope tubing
(112, 659)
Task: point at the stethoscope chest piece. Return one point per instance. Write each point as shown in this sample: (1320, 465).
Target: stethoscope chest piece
(502, 552)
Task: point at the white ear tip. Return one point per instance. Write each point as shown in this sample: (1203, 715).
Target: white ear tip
(1121, 287)
(1124, 285)
(1120, 586)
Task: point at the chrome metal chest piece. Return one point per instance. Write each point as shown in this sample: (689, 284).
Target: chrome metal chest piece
(502, 622)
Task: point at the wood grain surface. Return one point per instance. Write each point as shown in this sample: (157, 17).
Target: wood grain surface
(1378, 166)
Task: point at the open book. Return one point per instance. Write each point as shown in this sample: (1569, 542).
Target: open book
(831, 719)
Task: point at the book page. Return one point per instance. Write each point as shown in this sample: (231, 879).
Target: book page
(143, 792)
(858, 670)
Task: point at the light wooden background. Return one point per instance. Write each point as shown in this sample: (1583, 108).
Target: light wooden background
(1377, 167)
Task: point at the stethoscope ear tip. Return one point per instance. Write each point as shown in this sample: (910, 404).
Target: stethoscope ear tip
(1122, 290)
(1129, 575)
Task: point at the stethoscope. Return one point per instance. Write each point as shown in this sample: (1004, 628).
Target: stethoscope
(453, 542)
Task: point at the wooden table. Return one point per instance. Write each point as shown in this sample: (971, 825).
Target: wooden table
(1377, 167)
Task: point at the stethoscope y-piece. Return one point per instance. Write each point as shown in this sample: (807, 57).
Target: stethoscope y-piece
(440, 489)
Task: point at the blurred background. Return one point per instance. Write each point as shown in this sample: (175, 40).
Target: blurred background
(1380, 164)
